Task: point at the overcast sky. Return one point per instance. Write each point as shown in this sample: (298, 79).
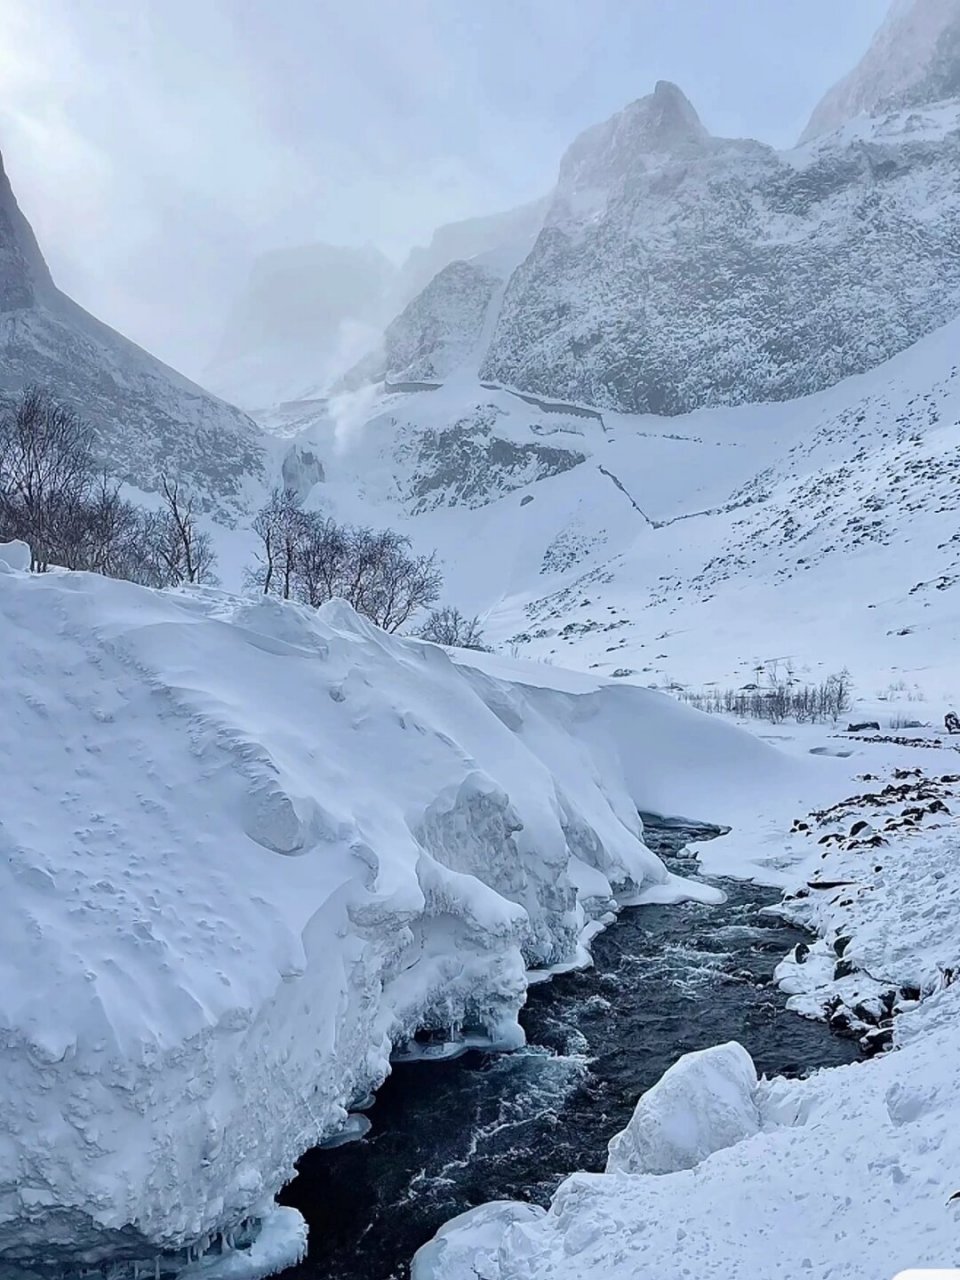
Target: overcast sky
(158, 145)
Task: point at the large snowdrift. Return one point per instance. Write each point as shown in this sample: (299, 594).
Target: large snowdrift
(247, 850)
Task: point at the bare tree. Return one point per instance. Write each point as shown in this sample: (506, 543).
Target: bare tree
(46, 474)
(282, 525)
(313, 558)
(449, 626)
(322, 561)
(184, 552)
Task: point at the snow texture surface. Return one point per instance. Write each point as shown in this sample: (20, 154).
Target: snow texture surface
(247, 850)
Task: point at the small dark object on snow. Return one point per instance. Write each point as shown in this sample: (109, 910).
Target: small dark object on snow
(860, 827)
(877, 1040)
(951, 722)
(869, 724)
(800, 952)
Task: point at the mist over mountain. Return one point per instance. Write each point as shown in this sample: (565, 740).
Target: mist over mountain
(913, 61)
(302, 315)
(148, 418)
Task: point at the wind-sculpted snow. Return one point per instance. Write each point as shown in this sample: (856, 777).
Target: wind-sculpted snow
(706, 1101)
(148, 419)
(676, 270)
(248, 849)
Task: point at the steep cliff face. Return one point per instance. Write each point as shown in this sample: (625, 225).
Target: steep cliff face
(914, 60)
(148, 418)
(436, 332)
(676, 270)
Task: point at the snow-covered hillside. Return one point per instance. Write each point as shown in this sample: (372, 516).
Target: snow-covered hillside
(148, 418)
(616, 542)
(248, 848)
(914, 60)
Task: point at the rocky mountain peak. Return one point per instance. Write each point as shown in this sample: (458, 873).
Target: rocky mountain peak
(914, 60)
(663, 125)
(23, 272)
(147, 419)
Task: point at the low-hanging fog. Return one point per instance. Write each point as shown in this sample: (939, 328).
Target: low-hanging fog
(160, 146)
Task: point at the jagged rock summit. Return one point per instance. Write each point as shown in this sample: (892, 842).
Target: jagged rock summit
(147, 417)
(913, 61)
(662, 126)
(677, 270)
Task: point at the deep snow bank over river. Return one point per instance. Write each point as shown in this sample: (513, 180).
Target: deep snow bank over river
(850, 1174)
(249, 848)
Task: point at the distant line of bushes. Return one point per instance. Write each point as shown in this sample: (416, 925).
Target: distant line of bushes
(810, 703)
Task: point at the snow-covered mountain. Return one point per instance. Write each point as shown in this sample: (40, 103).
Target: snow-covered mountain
(250, 849)
(616, 541)
(303, 317)
(436, 333)
(676, 270)
(671, 270)
(462, 241)
(914, 60)
(147, 417)
(445, 326)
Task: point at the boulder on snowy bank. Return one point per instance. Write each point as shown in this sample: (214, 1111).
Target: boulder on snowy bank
(706, 1101)
(15, 555)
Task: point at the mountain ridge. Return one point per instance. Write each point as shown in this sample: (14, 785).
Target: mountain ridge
(147, 418)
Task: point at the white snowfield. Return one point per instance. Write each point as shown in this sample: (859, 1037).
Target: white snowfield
(248, 849)
(851, 1174)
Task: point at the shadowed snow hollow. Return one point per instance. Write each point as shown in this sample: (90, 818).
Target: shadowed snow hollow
(248, 849)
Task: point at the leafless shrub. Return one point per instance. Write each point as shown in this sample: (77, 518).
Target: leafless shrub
(804, 703)
(449, 626)
(313, 558)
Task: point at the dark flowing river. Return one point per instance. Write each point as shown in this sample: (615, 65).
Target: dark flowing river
(447, 1136)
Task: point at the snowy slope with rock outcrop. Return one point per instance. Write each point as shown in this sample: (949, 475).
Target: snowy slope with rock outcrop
(249, 848)
(676, 270)
(913, 60)
(148, 419)
(615, 542)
